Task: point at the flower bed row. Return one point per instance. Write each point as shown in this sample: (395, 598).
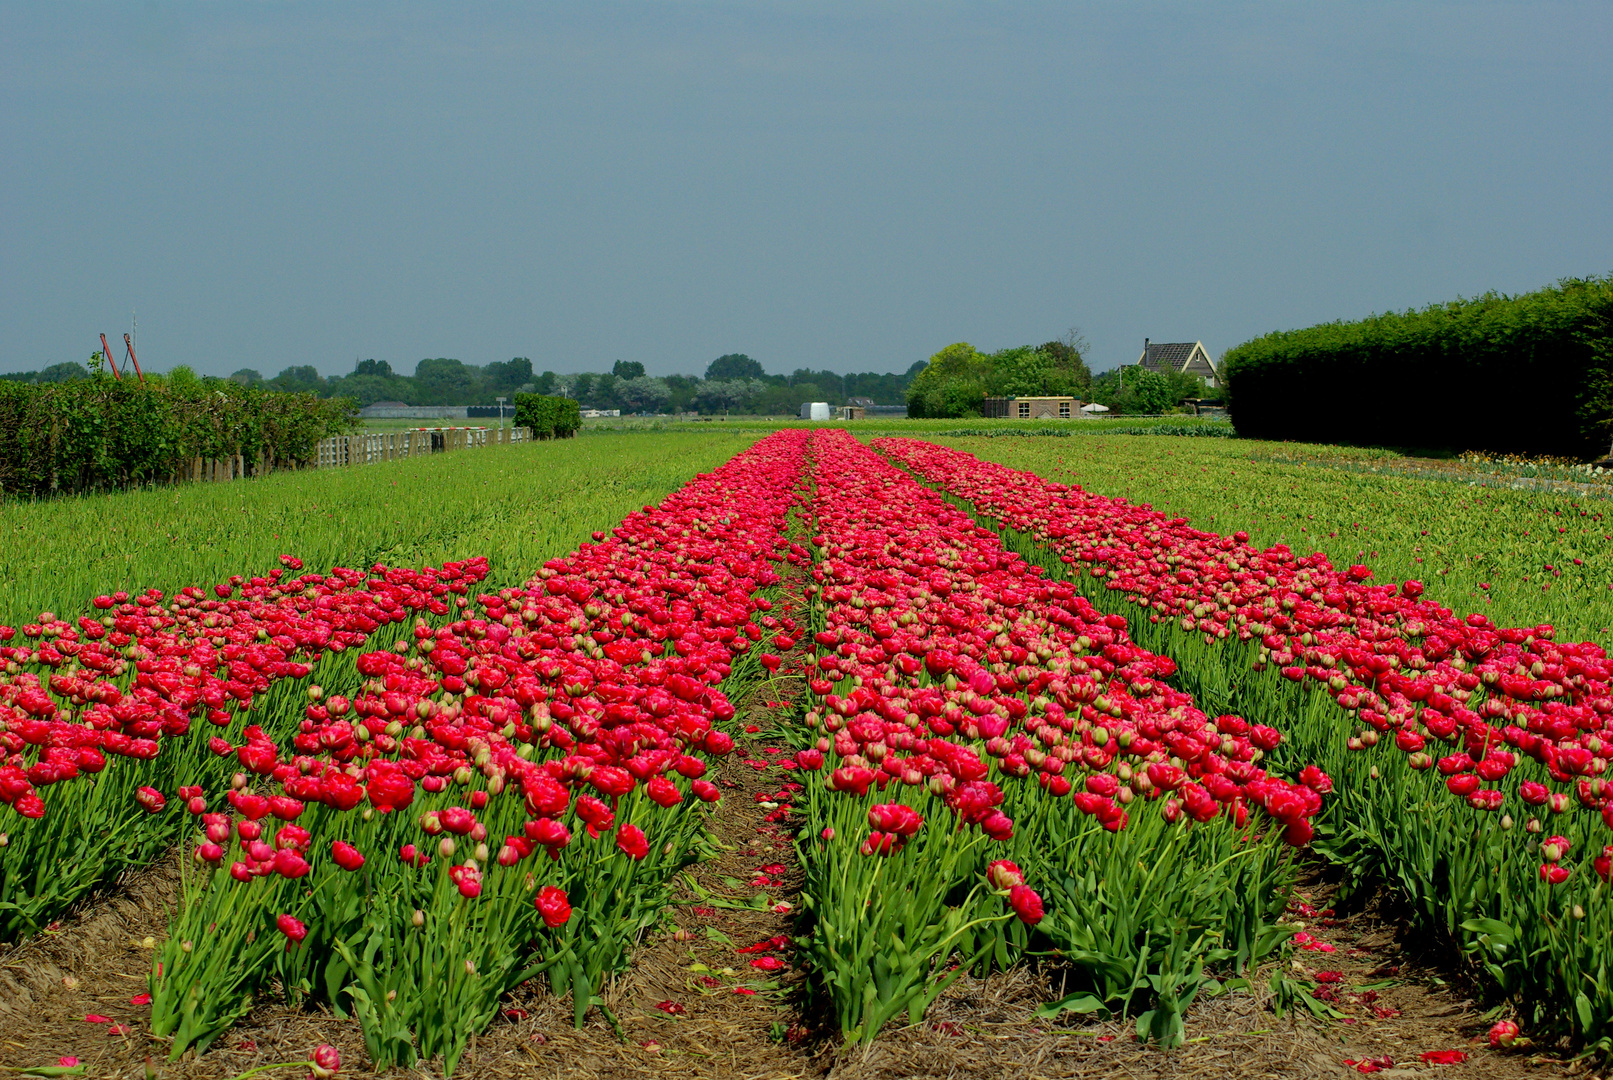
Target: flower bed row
(101, 716)
(1490, 722)
(501, 797)
(1004, 771)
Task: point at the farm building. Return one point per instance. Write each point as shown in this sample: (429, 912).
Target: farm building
(853, 412)
(816, 410)
(397, 410)
(1188, 357)
(1032, 408)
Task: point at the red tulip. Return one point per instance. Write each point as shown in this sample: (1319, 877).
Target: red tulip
(1027, 904)
(552, 904)
(631, 840)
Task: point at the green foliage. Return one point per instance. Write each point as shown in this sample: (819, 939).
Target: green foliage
(959, 377)
(1137, 390)
(643, 394)
(548, 417)
(734, 366)
(301, 379)
(953, 384)
(1523, 374)
(627, 369)
(101, 433)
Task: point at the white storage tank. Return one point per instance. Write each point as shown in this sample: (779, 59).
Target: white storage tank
(816, 410)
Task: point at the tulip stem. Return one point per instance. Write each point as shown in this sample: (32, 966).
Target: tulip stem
(280, 1065)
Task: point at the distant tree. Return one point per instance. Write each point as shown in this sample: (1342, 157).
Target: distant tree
(373, 367)
(952, 384)
(1106, 388)
(445, 382)
(1146, 391)
(581, 386)
(643, 394)
(605, 392)
(682, 388)
(1067, 356)
(66, 371)
(504, 379)
(247, 377)
(544, 384)
(830, 387)
(734, 366)
(302, 379)
(719, 395)
(628, 369)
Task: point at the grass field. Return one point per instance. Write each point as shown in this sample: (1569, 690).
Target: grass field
(505, 502)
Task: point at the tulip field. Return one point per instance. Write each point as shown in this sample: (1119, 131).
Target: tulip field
(426, 734)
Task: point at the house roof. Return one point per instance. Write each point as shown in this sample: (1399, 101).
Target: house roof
(1168, 355)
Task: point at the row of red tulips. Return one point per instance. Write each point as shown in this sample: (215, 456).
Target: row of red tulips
(1389, 654)
(100, 717)
(1006, 771)
(503, 796)
(1507, 721)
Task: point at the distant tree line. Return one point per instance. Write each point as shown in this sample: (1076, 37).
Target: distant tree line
(731, 383)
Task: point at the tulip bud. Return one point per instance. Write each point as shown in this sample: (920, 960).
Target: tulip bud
(419, 918)
(324, 1062)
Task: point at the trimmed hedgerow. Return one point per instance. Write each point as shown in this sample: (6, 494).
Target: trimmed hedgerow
(1530, 374)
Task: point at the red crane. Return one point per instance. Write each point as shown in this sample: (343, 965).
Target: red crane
(128, 344)
(106, 351)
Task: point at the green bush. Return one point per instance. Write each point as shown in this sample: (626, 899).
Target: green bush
(102, 433)
(548, 417)
(959, 377)
(1530, 374)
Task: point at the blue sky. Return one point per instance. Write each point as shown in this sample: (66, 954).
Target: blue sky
(850, 186)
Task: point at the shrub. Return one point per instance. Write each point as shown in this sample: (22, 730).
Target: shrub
(1528, 374)
(102, 433)
(548, 417)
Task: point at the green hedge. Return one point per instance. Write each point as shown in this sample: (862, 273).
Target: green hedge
(101, 433)
(548, 417)
(1530, 374)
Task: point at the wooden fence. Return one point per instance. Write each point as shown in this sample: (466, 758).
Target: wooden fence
(366, 449)
(393, 445)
